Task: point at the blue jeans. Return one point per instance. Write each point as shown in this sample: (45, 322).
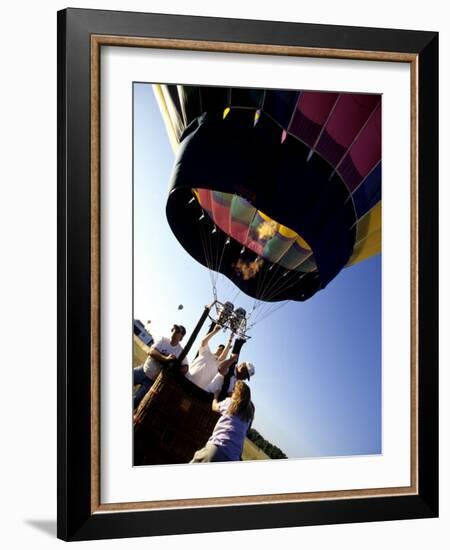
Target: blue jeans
(139, 377)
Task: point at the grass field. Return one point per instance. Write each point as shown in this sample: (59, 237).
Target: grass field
(139, 354)
(253, 452)
(250, 452)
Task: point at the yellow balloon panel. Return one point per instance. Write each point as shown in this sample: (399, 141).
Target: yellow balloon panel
(368, 236)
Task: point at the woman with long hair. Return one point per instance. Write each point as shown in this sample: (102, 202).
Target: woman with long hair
(227, 440)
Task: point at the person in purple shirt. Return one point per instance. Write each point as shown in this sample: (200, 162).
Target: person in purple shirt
(227, 440)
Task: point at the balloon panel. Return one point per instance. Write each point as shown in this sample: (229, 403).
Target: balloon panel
(368, 236)
(255, 230)
(310, 115)
(280, 106)
(349, 116)
(368, 193)
(364, 154)
(190, 102)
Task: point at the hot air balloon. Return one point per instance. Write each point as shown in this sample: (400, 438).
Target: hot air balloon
(277, 190)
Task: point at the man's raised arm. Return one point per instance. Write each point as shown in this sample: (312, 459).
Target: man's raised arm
(210, 334)
(226, 349)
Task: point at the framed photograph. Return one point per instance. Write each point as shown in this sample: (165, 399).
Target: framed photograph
(247, 274)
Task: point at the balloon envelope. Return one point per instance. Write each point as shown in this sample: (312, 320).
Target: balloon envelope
(277, 190)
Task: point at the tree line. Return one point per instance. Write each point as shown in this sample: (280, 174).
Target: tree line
(271, 450)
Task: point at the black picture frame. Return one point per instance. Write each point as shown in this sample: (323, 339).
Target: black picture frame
(77, 517)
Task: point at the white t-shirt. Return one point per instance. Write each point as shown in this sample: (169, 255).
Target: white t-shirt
(152, 367)
(204, 368)
(217, 382)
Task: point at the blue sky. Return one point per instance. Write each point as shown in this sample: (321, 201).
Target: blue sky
(317, 386)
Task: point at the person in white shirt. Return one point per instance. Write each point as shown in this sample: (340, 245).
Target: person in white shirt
(206, 365)
(225, 380)
(162, 352)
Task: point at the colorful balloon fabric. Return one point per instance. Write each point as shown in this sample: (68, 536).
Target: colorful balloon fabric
(277, 190)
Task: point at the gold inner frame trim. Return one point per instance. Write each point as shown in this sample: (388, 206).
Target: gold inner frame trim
(97, 41)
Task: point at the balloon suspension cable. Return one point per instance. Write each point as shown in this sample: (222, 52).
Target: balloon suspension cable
(270, 307)
(278, 284)
(271, 312)
(214, 254)
(219, 265)
(263, 306)
(269, 283)
(289, 280)
(207, 249)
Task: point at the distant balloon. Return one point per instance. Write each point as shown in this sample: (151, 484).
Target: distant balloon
(276, 190)
(180, 306)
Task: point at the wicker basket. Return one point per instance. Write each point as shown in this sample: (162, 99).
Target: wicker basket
(173, 421)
